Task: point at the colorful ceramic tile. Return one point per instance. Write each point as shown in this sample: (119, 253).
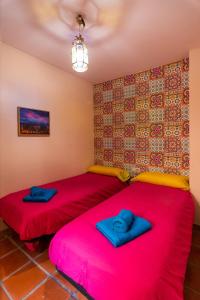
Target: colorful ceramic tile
(142, 120)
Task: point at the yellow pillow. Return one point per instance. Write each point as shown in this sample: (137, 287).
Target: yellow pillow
(171, 180)
(123, 175)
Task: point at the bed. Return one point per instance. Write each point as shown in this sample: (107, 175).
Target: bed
(150, 267)
(74, 196)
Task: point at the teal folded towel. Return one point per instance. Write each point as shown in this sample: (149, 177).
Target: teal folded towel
(37, 191)
(123, 221)
(38, 194)
(138, 227)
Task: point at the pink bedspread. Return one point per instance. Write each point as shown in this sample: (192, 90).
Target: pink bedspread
(151, 267)
(75, 195)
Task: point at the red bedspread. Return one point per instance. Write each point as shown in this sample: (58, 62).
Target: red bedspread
(75, 196)
(151, 267)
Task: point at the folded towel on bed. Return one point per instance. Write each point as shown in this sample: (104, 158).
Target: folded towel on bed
(38, 194)
(37, 191)
(138, 227)
(123, 221)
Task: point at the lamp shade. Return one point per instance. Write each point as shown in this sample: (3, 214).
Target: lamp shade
(79, 55)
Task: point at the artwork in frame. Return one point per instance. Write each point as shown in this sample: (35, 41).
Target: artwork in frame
(33, 122)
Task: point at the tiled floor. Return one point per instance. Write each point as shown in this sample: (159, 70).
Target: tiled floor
(30, 275)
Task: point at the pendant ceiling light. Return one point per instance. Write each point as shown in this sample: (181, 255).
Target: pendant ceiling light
(79, 49)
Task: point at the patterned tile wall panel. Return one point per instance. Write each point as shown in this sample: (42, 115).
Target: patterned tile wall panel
(142, 120)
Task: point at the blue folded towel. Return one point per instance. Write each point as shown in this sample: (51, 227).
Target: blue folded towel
(38, 194)
(37, 191)
(123, 221)
(139, 227)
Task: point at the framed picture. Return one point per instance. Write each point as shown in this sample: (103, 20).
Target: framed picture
(33, 122)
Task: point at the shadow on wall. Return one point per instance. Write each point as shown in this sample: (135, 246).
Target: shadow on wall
(58, 18)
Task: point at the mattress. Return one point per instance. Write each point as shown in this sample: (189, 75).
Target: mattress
(75, 195)
(150, 267)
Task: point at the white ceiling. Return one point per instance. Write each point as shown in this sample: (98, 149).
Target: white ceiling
(123, 36)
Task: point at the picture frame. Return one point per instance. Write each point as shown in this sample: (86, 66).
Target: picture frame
(33, 122)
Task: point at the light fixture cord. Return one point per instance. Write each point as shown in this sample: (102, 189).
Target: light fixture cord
(78, 28)
(81, 24)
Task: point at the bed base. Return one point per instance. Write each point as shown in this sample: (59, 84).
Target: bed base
(77, 286)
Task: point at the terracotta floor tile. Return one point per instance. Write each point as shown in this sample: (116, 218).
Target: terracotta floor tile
(9, 231)
(44, 261)
(2, 235)
(33, 254)
(191, 295)
(81, 296)
(196, 237)
(24, 281)
(50, 290)
(195, 255)
(11, 262)
(6, 246)
(193, 277)
(3, 296)
(65, 282)
(16, 239)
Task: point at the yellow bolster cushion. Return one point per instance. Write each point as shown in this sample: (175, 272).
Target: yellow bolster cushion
(123, 175)
(171, 180)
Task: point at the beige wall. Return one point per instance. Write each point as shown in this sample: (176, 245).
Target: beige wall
(29, 82)
(25, 161)
(195, 128)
